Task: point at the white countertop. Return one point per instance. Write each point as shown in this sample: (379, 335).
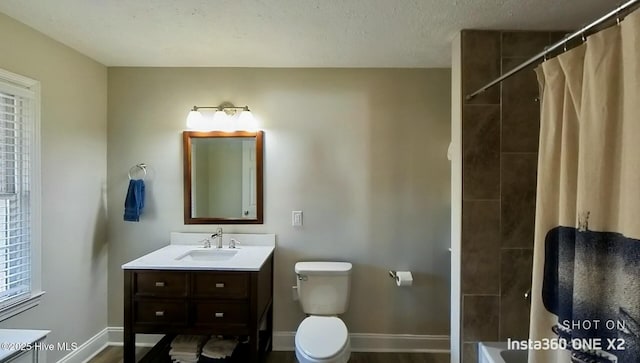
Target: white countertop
(13, 341)
(251, 254)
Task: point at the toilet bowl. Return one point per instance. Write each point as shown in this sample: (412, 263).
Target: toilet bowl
(322, 339)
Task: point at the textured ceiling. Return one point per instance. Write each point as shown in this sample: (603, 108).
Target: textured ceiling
(286, 33)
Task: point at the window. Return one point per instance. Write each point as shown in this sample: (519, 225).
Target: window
(19, 194)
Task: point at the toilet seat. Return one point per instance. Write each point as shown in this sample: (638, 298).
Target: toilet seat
(342, 357)
(322, 339)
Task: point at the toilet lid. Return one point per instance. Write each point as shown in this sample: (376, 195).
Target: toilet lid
(321, 337)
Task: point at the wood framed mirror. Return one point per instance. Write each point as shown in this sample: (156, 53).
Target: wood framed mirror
(223, 177)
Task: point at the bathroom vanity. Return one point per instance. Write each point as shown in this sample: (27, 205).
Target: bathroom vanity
(187, 289)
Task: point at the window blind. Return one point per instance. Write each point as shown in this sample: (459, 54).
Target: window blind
(16, 129)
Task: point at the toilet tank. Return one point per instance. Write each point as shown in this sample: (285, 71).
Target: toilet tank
(324, 287)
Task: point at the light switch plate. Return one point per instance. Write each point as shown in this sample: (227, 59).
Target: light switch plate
(296, 218)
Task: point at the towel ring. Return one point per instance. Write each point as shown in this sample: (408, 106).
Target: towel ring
(142, 167)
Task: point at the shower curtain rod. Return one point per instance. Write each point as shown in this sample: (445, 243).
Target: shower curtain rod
(612, 14)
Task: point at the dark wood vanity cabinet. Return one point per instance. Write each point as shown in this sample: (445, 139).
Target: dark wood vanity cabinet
(200, 302)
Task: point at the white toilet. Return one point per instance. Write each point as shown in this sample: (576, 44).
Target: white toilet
(323, 290)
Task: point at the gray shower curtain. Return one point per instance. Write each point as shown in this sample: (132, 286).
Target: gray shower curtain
(586, 275)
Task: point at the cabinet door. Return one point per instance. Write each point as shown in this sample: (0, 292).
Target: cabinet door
(160, 283)
(221, 285)
(158, 312)
(217, 314)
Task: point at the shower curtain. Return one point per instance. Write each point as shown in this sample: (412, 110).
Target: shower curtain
(586, 272)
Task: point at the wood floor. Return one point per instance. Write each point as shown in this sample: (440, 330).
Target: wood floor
(114, 355)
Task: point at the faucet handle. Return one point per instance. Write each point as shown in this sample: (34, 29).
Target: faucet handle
(233, 242)
(206, 243)
(218, 233)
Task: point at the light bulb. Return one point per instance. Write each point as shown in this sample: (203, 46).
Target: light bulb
(219, 117)
(194, 119)
(246, 121)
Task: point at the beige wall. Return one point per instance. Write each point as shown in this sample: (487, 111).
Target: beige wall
(361, 152)
(74, 149)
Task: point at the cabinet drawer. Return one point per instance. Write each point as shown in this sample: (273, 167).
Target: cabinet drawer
(236, 314)
(221, 285)
(160, 312)
(160, 283)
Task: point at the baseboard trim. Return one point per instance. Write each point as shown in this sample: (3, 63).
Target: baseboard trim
(88, 349)
(282, 341)
(363, 342)
(108, 336)
(116, 337)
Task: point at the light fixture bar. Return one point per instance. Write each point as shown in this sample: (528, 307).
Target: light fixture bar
(227, 117)
(221, 108)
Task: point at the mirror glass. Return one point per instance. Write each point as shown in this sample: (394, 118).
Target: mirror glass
(222, 177)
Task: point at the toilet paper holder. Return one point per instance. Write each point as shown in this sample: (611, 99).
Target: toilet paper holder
(402, 278)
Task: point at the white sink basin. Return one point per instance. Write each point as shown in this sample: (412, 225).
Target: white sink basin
(207, 255)
(186, 252)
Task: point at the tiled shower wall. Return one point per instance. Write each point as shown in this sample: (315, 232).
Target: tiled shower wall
(499, 157)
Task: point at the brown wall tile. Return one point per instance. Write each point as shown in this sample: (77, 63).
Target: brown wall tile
(518, 202)
(520, 109)
(470, 353)
(481, 152)
(556, 36)
(523, 44)
(479, 318)
(481, 247)
(515, 279)
(500, 142)
(480, 64)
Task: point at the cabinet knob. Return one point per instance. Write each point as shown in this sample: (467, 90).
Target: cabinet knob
(219, 284)
(219, 315)
(160, 313)
(159, 283)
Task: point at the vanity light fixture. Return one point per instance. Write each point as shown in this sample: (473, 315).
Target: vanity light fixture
(227, 117)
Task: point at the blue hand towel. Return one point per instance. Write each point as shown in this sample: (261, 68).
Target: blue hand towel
(134, 202)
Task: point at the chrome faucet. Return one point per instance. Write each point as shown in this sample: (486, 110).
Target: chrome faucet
(218, 236)
(233, 243)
